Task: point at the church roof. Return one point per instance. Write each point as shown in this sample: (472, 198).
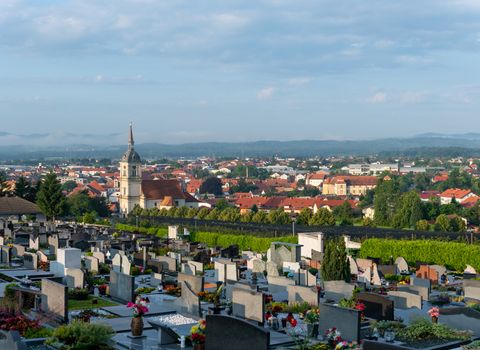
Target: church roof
(159, 189)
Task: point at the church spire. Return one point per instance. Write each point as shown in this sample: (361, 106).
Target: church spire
(130, 137)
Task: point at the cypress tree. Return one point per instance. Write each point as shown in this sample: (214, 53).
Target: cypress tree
(335, 264)
(50, 198)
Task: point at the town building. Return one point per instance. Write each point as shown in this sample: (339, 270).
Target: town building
(346, 185)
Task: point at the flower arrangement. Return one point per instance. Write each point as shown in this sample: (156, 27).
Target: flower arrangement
(333, 336)
(139, 307)
(291, 320)
(312, 316)
(360, 307)
(273, 311)
(434, 313)
(197, 332)
(343, 345)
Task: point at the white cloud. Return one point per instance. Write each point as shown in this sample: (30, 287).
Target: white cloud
(413, 96)
(266, 93)
(379, 97)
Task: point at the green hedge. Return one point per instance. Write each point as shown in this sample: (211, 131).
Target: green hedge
(257, 244)
(160, 232)
(450, 254)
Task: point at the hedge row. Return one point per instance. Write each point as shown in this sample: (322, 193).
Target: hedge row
(245, 242)
(212, 239)
(452, 255)
(160, 232)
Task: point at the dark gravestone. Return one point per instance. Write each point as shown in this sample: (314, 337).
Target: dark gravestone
(226, 332)
(387, 269)
(347, 321)
(230, 252)
(377, 306)
(156, 265)
(139, 258)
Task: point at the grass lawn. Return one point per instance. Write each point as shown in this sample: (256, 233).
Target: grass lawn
(87, 304)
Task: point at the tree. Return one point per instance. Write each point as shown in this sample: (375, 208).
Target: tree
(202, 213)
(278, 217)
(304, 216)
(212, 185)
(323, 217)
(422, 225)
(260, 217)
(213, 214)
(50, 198)
(443, 223)
(385, 201)
(69, 186)
(457, 224)
(335, 264)
(409, 211)
(344, 213)
(222, 204)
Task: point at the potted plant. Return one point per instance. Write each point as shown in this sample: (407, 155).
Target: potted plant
(197, 335)
(311, 319)
(139, 309)
(333, 337)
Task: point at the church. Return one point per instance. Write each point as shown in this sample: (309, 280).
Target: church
(147, 193)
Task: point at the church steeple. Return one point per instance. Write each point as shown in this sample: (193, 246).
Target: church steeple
(131, 143)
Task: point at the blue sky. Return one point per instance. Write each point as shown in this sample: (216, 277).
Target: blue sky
(186, 71)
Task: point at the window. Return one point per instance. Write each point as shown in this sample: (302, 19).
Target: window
(124, 191)
(124, 170)
(134, 170)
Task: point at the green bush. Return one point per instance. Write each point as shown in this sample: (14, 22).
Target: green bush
(33, 333)
(80, 335)
(453, 255)
(160, 232)
(78, 294)
(424, 330)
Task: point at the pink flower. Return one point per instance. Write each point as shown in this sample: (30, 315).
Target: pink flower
(130, 304)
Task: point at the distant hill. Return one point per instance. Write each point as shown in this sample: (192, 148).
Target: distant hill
(449, 145)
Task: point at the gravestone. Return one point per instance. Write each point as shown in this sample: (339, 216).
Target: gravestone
(247, 304)
(173, 232)
(222, 329)
(402, 265)
(122, 287)
(41, 256)
(11, 340)
(156, 265)
(422, 282)
(156, 279)
(377, 306)
(441, 270)
(18, 250)
(337, 290)
(422, 291)
(427, 272)
(365, 276)
(34, 243)
(168, 262)
(280, 252)
(353, 266)
(74, 278)
(5, 255)
(279, 284)
(405, 300)
(91, 264)
(469, 270)
(54, 299)
(347, 321)
(69, 257)
(272, 269)
(195, 282)
(388, 269)
(300, 294)
(376, 280)
(188, 269)
(53, 243)
(231, 271)
(30, 261)
(289, 267)
(305, 278)
(126, 265)
(471, 289)
(117, 263)
(258, 266)
(241, 285)
(191, 301)
(100, 256)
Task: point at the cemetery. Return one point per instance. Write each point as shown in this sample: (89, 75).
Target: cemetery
(67, 286)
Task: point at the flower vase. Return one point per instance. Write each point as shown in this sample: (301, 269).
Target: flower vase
(434, 319)
(199, 346)
(137, 326)
(312, 330)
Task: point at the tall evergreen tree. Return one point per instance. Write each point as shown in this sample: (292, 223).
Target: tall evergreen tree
(4, 190)
(323, 217)
(50, 198)
(335, 264)
(409, 211)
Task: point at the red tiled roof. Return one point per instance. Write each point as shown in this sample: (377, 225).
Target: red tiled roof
(455, 192)
(159, 189)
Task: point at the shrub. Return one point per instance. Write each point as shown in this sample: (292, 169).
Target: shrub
(18, 323)
(424, 330)
(32, 333)
(453, 255)
(78, 294)
(80, 335)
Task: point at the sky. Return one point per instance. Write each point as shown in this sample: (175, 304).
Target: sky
(79, 71)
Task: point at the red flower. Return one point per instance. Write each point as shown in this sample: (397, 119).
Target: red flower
(293, 322)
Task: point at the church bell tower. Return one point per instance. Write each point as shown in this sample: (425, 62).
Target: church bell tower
(130, 178)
